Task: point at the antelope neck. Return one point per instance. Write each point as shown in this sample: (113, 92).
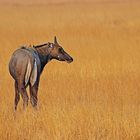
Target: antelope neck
(44, 56)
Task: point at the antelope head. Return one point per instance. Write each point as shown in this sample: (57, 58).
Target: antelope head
(58, 53)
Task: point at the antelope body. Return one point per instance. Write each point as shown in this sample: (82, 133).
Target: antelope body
(26, 66)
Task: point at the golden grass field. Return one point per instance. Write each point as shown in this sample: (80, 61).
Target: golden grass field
(97, 97)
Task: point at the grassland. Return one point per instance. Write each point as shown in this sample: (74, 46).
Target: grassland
(97, 97)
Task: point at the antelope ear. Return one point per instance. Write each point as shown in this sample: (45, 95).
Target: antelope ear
(55, 40)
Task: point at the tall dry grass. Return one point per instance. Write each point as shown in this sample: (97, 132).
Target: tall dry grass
(97, 97)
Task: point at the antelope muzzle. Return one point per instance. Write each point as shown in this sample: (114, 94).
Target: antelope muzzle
(63, 56)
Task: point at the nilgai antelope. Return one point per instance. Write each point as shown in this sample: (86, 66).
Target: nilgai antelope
(26, 66)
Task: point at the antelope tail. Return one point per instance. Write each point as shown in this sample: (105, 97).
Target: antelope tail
(34, 74)
(28, 72)
(31, 74)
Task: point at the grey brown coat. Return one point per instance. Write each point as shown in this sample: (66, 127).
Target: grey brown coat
(27, 64)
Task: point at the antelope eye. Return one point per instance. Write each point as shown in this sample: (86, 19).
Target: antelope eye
(60, 49)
